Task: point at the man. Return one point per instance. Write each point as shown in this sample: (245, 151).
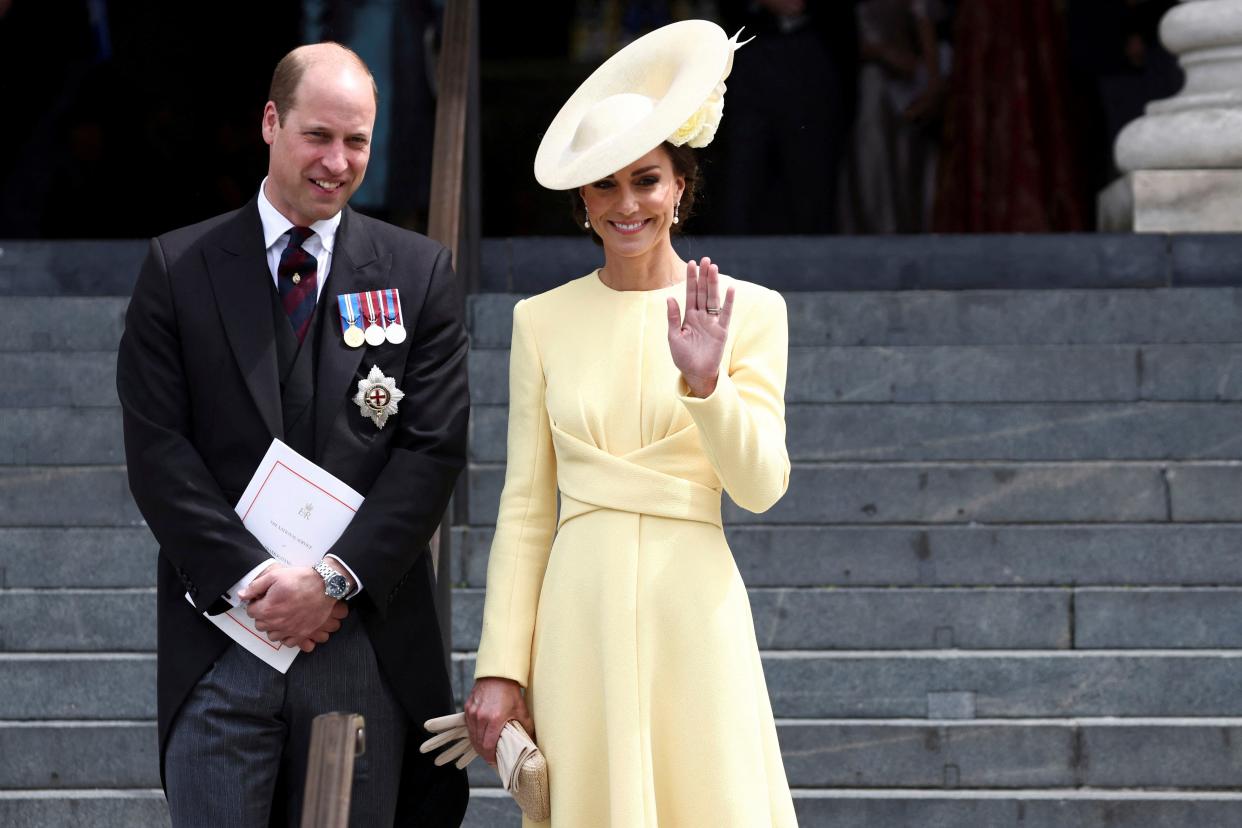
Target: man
(233, 337)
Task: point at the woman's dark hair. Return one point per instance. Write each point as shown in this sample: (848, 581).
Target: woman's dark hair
(685, 164)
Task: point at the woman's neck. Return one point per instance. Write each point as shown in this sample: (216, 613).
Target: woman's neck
(658, 268)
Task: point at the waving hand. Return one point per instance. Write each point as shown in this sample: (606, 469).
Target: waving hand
(697, 339)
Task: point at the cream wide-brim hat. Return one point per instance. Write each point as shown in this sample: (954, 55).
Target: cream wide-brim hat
(667, 85)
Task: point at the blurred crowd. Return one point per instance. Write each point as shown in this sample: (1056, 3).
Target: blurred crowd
(842, 116)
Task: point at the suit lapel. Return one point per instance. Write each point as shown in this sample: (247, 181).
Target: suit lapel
(356, 266)
(241, 281)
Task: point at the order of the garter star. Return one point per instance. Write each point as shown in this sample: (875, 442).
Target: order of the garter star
(378, 396)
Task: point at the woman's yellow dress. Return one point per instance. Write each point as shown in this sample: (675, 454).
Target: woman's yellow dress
(625, 617)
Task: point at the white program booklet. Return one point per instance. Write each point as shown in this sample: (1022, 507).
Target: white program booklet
(297, 511)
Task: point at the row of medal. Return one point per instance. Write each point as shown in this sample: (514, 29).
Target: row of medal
(373, 317)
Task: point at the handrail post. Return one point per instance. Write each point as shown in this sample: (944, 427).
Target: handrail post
(454, 222)
(336, 740)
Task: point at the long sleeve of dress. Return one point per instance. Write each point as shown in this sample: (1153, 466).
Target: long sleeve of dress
(742, 423)
(526, 519)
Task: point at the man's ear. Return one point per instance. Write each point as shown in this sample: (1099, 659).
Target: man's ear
(271, 121)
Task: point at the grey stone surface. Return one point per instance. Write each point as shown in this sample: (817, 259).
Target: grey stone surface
(1009, 431)
(1206, 491)
(944, 493)
(1158, 618)
(37, 436)
(492, 809)
(1205, 259)
(66, 496)
(998, 317)
(914, 374)
(1006, 685)
(983, 317)
(1155, 755)
(70, 267)
(51, 558)
(1204, 554)
(84, 809)
(807, 263)
(77, 620)
(950, 373)
(882, 619)
(98, 686)
(879, 685)
(79, 755)
(1192, 372)
(1019, 810)
(61, 323)
(931, 493)
(953, 705)
(966, 431)
(58, 378)
(913, 755)
(1173, 200)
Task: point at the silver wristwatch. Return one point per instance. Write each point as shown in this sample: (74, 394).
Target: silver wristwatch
(334, 583)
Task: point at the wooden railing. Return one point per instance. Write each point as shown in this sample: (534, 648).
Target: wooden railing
(454, 219)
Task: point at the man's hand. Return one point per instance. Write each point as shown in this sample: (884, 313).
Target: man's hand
(288, 603)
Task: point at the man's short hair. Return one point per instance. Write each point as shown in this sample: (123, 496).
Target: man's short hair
(288, 75)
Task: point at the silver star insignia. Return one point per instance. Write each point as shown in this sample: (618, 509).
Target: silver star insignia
(378, 396)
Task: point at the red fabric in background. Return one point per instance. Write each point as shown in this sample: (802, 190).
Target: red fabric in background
(1010, 160)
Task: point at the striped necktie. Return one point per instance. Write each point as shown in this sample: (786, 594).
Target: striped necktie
(296, 281)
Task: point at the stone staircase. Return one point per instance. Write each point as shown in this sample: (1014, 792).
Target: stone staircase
(1004, 588)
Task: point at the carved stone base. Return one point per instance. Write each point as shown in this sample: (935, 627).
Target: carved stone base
(1172, 201)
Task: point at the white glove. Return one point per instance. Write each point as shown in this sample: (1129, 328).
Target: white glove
(450, 730)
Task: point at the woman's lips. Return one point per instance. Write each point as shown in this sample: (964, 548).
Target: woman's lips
(629, 228)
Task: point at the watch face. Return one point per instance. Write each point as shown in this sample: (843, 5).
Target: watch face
(337, 586)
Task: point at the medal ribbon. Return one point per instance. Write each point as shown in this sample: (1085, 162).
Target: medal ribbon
(348, 317)
(372, 319)
(393, 302)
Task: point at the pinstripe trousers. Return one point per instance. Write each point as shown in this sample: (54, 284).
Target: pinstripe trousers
(236, 752)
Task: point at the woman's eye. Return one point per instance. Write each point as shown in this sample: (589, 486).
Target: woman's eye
(648, 181)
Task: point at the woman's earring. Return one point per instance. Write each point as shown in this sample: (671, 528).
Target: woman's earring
(586, 225)
(676, 212)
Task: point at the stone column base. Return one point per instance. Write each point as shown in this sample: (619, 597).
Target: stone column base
(1172, 201)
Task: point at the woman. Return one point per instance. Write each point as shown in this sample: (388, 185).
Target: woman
(625, 619)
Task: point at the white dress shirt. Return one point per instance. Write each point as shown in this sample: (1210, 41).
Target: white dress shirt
(319, 244)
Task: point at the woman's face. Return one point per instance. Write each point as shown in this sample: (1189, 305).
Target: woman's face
(632, 209)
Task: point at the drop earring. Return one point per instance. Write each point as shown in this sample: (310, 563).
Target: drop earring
(586, 224)
(676, 212)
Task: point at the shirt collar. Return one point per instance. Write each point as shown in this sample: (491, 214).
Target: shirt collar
(276, 225)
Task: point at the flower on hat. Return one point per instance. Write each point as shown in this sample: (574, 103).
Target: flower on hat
(700, 128)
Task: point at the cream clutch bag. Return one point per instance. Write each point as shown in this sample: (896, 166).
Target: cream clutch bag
(522, 768)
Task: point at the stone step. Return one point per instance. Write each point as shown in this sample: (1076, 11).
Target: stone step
(972, 317)
(77, 620)
(872, 619)
(532, 264)
(70, 267)
(974, 431)
(1185, 754)
(49, 496)
(970, 373)
(802, 684)
(90, 808)
(46, 558)
(37, 436)
(899, 808)
(45, 379)
(107, 686)
(75, 754)
(994, 555)
(909, 753)
(61, 323)
(938, 493)
(992, 684)
(89, 620)
(1015, 809)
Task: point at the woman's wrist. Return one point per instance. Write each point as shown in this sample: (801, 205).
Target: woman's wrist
(701, 387)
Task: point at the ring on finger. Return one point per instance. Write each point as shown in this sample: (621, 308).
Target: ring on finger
(713, 311)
